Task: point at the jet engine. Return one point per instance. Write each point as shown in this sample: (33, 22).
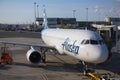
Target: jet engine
(33, 56)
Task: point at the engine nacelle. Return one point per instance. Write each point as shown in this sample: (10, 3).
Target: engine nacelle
(33, 56)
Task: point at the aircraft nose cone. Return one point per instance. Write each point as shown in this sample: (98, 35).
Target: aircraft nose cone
(97, 54)
(101, 54)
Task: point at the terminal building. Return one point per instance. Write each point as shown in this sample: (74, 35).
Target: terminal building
(113, 21)
(57, 22)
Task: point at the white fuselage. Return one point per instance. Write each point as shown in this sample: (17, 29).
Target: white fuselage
(85, 45)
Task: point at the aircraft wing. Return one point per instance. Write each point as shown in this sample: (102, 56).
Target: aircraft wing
(27, 44)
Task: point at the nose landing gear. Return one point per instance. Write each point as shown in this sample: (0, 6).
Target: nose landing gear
(86, 70)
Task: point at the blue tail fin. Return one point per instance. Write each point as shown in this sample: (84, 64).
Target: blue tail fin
(45, 22)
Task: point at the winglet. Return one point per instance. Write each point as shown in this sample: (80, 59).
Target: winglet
(45, 22)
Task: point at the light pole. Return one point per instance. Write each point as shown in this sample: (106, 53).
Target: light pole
(87, 14)
(35, 16)
(37, 10)
(74, 13)
(86, 17)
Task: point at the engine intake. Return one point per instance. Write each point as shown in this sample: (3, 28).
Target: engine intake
(33, 56)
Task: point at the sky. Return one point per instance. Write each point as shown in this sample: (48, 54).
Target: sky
(22, 11)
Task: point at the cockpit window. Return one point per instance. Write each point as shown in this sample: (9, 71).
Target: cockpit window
(93, 42)
(82, 42)
(85, 42)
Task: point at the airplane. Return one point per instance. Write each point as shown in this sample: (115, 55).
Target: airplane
(85, 45)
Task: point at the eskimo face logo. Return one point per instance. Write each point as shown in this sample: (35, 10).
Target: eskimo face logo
(70, 47)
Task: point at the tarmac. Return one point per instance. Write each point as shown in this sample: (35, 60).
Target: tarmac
(57, 67)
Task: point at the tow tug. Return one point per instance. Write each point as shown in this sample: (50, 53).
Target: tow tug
(104, 76)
